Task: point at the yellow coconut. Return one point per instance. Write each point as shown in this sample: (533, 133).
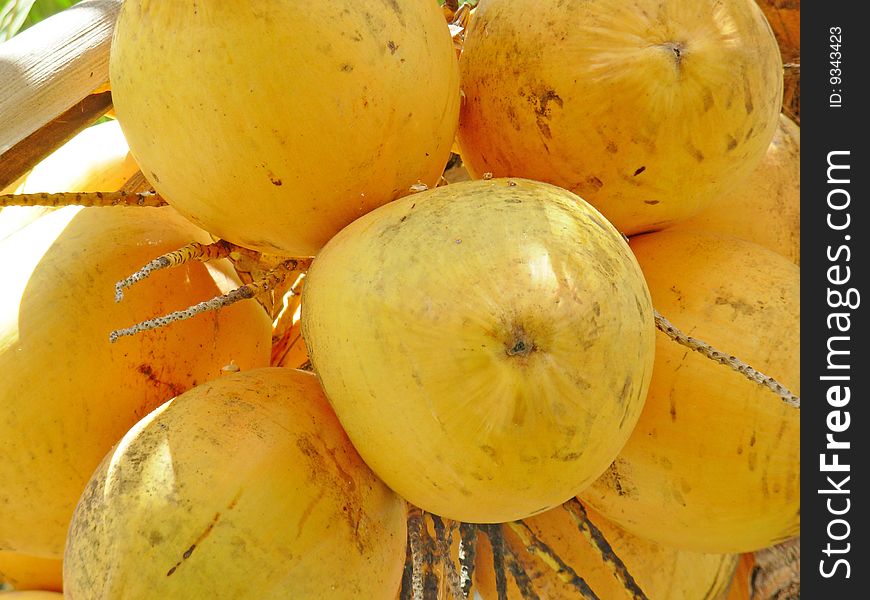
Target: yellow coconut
(486, 344)
(648, 109)
(714, 461)
(67, 394)
(24, 572)
(661, 572)
(765, 208)
(95, 160)
(276, 131)
(244, 487)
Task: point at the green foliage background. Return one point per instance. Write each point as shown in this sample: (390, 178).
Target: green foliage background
(17, 15)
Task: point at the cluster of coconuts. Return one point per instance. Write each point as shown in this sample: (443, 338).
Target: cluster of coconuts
(484, 350)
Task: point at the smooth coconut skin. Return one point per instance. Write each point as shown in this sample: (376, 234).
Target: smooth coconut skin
(648, 109)
(486, 345)
(25, 572)
(713, 464)
(67, 394)
(276, 132)
(765, 208)
(660, 571)
(244, 487)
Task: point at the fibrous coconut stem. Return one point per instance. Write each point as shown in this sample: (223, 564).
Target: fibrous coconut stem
(443, 541)
(496, 541)
(524, 583)
(151, 199)
(776, 574)
(503, 556)
(415, 543)
(551, 559)
(269, 281)
(192, 251)
(405, 589)
(467, 555)
(431, 581)
(285, 319)
(458, 20)
(603, 548)
(136, 183)
(666, 327)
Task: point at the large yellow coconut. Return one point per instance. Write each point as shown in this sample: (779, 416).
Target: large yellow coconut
(765, 208)
(714, 461)
(95, 160)
(663, 573)
(486, 345)
(24, 572)
(67, 394)
(276, 125)
(244, 487)
(648, 109)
